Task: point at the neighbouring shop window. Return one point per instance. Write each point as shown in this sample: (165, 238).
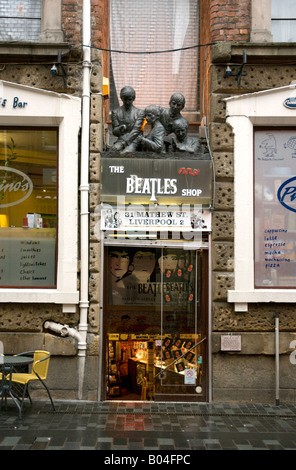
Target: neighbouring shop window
(146, 27)
(275, 208)
(283, 20)
(28, 207)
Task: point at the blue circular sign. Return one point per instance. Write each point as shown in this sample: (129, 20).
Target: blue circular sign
(290, 103)
(287, 194)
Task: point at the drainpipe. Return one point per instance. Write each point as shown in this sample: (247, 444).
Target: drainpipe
(63, 330)
(277, 359)
(84, 194)
(66, 330)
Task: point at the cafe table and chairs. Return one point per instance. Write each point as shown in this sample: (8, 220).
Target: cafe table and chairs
(8, 365)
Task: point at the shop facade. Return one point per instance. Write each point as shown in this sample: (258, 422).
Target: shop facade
(150, 280)
(155, 259)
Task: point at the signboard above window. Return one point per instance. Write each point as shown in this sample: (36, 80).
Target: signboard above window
(162, 181)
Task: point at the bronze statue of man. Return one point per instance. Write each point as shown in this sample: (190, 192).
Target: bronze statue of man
(154, 141)
(169, 115)
(127, 120)
(181, 142)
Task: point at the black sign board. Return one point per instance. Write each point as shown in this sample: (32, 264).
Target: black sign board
(162, 181)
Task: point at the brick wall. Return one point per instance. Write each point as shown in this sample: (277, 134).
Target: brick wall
(72, 20)
(230, 20)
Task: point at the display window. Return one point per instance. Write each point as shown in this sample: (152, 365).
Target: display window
(28, 207)
(155, 322)
(275, 207)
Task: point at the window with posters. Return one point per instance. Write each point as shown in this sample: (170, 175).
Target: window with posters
(275, 207)
(155, 310)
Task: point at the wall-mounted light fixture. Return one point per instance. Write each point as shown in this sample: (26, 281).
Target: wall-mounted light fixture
(237, 73)
(58, 69)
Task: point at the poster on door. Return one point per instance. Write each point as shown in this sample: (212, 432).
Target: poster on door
(148, 276)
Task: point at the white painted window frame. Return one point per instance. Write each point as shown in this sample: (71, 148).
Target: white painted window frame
(50, 109)
(243, 112)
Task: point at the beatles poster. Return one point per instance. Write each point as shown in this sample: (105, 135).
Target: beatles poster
(148, 276)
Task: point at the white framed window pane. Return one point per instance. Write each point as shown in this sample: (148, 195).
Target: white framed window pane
(283, 9)
(275, 208)
(283, 30)
(20, 20)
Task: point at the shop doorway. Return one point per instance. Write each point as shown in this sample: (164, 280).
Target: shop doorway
(155, 320)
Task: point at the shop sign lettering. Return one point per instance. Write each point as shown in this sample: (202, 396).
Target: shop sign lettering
(150, 186)
(15, 186)
(156, 180)
(15, 102)
(287, 194)
(171, 218)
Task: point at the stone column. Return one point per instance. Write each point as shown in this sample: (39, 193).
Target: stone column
(51, 21)
(261, 21)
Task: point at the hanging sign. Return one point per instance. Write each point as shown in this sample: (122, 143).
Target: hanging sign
(156, 218)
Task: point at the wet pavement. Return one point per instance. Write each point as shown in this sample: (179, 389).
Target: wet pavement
(177, 428)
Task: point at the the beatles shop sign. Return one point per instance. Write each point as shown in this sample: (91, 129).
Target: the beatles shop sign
(161, 181)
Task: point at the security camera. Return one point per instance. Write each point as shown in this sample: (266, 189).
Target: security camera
(54, 70)
(228, 71)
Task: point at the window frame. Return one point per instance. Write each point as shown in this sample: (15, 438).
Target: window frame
(51, 22)
(36, 129)
(261, 19)
(63, 112)
(245, 112)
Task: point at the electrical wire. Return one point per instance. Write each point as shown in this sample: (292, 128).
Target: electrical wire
(150, 52)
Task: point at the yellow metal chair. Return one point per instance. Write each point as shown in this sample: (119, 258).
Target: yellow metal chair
(39, 372)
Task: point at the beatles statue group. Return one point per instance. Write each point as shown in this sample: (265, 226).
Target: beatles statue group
(168, 129)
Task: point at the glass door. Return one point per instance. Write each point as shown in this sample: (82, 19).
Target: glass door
(155, 319)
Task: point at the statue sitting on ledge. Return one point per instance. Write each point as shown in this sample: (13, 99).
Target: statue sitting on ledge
(169, 115)
(168, 128)
(126, 120)
(154, 141)
(180, 141)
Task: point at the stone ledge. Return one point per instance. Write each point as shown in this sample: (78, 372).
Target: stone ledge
(18, 49)
(225, 52)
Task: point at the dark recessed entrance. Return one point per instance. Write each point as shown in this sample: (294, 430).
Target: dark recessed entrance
(155, 323)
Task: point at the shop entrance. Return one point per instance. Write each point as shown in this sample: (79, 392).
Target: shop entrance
(155, 323)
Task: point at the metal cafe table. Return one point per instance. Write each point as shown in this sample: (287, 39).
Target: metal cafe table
(7, 367)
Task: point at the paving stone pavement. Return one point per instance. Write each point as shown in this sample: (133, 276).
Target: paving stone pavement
(179, 428)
